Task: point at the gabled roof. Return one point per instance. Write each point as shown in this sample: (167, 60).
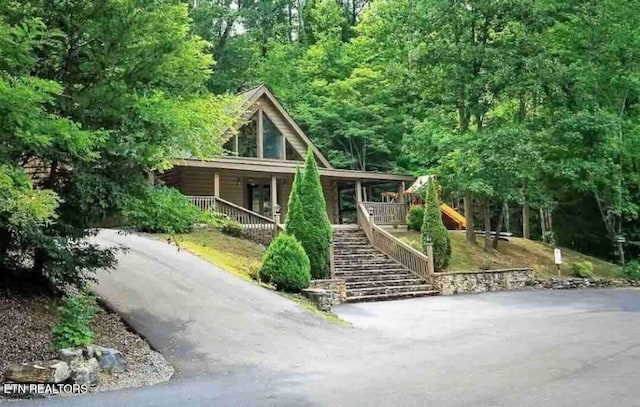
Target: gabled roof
(252, 95)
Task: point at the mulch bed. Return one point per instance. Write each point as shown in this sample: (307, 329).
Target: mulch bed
(26, 320)
(27, 315)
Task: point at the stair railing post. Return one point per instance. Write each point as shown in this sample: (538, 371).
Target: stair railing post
(430, 267)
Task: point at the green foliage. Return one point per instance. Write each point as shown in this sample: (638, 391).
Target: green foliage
(295, 223)
(80, 129)
(632, 270)
(433, 230)
(285, 264)
(161, 210)
(582, 269)
(73, 326)
(317, 234)
(222, 222)
(415, 217)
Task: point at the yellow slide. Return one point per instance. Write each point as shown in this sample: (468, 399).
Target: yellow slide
(453, 215)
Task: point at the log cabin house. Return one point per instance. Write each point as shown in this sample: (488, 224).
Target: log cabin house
(253, 180)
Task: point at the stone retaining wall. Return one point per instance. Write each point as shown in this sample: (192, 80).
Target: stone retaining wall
(574, 282)
(479, 281)
(336, 285)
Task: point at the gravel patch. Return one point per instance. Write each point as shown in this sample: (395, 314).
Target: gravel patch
(26, 321)
(145, 366)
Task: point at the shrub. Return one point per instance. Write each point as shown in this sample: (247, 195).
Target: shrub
(295, 222)
(223, 223)
(582, 269)
(73, 326)
(161, 210)
(415, 217)
(316, 235)
(632, 270)
(285, 264)
(433, 229)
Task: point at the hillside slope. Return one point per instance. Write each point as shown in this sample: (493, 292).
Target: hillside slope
(517, 252)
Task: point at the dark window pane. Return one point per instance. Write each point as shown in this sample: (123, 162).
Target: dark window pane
(272, 143)
(292, 154)
(247, 140)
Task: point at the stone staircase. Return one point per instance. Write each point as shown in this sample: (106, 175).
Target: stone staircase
(370, 275)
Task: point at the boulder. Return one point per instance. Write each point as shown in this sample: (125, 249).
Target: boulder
(70, 354)
(52, 371)
(108, 358)
(85, 372)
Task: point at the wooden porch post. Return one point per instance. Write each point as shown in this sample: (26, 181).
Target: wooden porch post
(274, 199)
(358, 191)
(216, 184)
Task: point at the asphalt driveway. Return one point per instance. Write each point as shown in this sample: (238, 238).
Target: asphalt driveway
(234, 343)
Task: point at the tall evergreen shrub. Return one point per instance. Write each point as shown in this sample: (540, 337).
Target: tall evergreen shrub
(316, 236)
(295, 224)
(433, 230)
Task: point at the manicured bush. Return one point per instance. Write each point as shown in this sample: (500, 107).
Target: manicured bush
(161, 210)
(73, 326)
(433, 230)
(415, 217)
(582, 269)
(316, 235)
(285, 264)
(632, 270)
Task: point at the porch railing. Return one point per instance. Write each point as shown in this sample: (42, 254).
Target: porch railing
(387, 213)
(401, 252)
(255, 227)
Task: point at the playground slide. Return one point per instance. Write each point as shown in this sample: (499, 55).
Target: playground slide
(453, 214)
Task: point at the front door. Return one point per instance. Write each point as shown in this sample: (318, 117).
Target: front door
(259, 198)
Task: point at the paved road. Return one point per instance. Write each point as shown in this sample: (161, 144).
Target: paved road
(234, 343)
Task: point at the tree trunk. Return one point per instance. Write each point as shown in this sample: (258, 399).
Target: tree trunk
(468, 213)
(525, 221)
(496, 237)
(543, 225)
(487, 224)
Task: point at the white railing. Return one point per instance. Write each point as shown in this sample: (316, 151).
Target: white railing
(401, 252)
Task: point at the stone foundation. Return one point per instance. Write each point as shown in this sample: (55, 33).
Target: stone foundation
(335, 285)
(324, 299)
(460, 282)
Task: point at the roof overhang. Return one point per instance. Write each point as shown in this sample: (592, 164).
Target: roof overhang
(287, 167)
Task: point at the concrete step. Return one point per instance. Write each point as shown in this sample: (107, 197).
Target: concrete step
(374, 278)
(354, 285)
(392, 296)
(373, 274)
(381, 290)
(377, 265)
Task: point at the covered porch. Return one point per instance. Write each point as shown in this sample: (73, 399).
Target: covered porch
(263, 188)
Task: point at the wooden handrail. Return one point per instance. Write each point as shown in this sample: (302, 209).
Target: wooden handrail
(255, 226)
(401, 252)
(387, 213)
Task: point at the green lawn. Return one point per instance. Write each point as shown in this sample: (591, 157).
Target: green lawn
(238, 256)
(517, 252)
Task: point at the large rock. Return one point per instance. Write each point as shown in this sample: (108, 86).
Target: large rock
(52, 371)
(108, 358)
(70, 354)
(85, 372)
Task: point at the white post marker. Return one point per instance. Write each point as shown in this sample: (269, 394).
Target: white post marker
(557, 259)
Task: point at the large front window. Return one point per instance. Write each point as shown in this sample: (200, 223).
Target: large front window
(247, 139)
(272, 140)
